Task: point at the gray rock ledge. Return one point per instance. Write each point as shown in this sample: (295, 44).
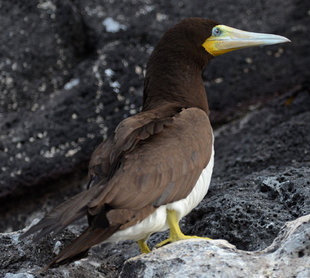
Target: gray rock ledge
(287, 256)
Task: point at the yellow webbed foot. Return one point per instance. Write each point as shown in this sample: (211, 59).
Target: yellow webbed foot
(143, 246)
(175, 231)
(164, 242)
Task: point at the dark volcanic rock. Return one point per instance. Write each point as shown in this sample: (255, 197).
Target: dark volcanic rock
(250, 212)
(41, 44)
(24, 258)
(277, 134)
(71, 70)
(261, 175)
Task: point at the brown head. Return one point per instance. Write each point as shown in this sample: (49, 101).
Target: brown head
(175, 66)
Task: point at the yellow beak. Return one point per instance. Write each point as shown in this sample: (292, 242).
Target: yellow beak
(225, 39)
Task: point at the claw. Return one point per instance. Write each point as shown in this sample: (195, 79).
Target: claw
(175, 231)
(143, 246)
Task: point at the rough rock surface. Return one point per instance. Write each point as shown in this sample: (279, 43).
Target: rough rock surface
(25, 258)
(288, 256)
(71, 70)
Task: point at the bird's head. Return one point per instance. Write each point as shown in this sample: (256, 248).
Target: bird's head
(178, 59)
(204, 35)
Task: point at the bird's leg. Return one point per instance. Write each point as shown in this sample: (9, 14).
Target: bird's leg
(175, 231)
(143, 246)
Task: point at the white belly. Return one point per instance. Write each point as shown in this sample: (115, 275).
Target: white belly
(157, 221)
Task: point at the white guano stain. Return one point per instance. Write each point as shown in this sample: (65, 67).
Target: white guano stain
(112, 25)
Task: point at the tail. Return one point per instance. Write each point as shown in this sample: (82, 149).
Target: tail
(87, 239)
(64, 214)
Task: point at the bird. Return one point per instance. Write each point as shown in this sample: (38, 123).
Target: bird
(157, 165)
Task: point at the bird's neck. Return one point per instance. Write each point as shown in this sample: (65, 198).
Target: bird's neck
(172, 80)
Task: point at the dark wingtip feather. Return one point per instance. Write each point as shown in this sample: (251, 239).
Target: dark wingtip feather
(64, 214)
(80, 246)
(30, 231)
(46, 225)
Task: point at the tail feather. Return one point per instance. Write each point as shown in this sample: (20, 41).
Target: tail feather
(87, 239)
(64, 214)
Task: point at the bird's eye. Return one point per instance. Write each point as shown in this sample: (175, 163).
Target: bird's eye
(216, 31)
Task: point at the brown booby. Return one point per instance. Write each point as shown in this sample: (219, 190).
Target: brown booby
(157, 165)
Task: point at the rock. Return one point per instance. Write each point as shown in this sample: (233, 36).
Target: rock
(288, 256)
(25, 259)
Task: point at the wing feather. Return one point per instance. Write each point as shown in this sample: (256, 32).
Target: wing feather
(164, 167)
(154, 158)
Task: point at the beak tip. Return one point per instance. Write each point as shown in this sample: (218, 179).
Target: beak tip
(282, 40)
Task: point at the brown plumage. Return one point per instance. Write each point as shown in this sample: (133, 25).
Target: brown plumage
(154, 158)
(130, 171)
